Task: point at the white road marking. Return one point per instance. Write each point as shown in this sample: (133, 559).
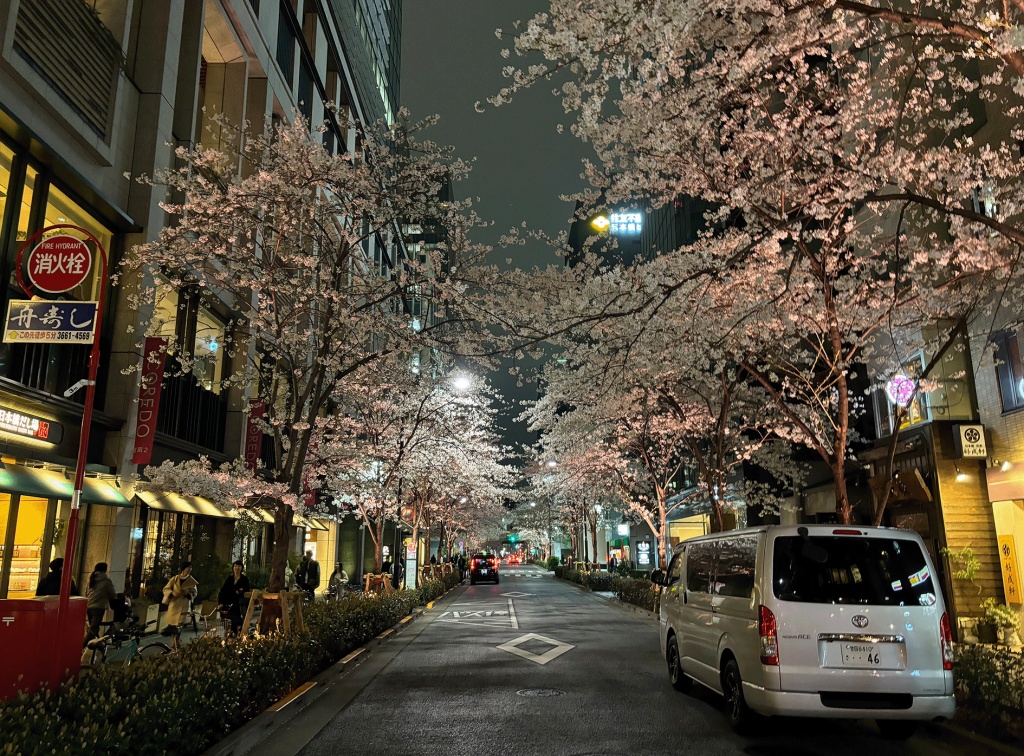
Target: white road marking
(512, 615)
(558, 648)
(517, 594)
(481, 614)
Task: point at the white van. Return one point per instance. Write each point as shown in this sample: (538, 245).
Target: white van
(811, 621)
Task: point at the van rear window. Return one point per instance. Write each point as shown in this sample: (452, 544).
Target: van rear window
(845, 570)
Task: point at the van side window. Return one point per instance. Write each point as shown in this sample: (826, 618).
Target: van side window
(737, 558)
(700, 559)
(675, 570)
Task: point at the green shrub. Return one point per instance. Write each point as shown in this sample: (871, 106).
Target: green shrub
(598, 581)
(989, 685)
(642, 593)
(186, 702)
(259, 576)
(552, 562)
(559, 570)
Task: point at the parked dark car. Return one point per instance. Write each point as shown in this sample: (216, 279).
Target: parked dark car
(483, 567)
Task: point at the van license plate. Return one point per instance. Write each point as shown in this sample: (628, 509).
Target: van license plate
(868, 656)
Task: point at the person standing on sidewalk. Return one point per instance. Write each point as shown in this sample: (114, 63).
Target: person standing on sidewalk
(50, 585)
(232, 595)
(307, 576)
(100, 595)
(178, 595)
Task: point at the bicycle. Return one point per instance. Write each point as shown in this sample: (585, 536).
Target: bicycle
(208, 632)
(133, 635)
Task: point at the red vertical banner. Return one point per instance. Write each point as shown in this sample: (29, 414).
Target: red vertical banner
(254, 434)
(153, 358)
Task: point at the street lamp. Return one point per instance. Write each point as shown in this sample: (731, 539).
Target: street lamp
(552, 464)
(462, 382)
(533, 503)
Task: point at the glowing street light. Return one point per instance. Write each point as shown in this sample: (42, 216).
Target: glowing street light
(552, 464)
(533, 503)
(462, 382)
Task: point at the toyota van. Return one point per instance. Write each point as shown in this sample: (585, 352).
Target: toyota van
(810, 621)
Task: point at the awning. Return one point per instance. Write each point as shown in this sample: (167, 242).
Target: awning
(193, 505)
(48, 484)
(310, 523)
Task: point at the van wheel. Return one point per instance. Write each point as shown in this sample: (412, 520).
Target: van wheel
(676, 676)
(740, 716)
(896, 729)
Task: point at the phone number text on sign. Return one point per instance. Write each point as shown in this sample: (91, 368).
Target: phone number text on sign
(42, 322)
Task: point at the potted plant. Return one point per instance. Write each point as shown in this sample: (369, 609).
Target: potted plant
(998, 617)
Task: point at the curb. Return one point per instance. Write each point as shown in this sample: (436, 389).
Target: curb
(969, 741)
(247, 737)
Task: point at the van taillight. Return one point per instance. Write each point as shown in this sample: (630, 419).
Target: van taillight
(846, 532)
(947, 642)
(769, 637)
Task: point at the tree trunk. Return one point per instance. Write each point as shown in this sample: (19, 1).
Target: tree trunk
(844, 512)
(378, 546)
(662, 541)
(593, 534)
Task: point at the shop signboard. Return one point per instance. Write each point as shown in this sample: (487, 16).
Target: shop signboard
(254, 434)
(30, 426)
(970, 441)
(1011, 575)
(59, 264)
(643, 553)
(44, 322)
(154, 357)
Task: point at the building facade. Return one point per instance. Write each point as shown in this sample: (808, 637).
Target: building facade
(93, 95)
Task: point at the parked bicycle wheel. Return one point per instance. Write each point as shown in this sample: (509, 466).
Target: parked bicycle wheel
(154, 649)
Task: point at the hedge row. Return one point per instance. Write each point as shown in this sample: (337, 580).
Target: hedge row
(434, 588)
(633, 590)
(990, 691)
(181, 704)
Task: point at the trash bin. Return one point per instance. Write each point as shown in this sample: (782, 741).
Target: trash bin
(28, 628)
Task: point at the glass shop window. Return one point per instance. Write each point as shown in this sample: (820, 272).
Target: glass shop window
(208, 349)
(61, 209)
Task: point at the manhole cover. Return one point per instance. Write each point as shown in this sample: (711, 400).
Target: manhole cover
(539, 692)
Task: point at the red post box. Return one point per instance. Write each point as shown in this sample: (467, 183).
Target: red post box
(27, 632)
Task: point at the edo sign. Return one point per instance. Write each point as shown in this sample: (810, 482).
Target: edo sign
(153, 359)
(59, 264)
(41, 322)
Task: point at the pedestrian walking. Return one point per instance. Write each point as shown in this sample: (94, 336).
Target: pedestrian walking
(433, 559)
(307, 576)
(338, 582)
(100, 595)
(462, 566)
(397, 573)
(178, 595)
(612, 564)
(232, 595)
(50, 585)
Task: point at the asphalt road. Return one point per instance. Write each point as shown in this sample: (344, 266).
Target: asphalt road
(453, 690)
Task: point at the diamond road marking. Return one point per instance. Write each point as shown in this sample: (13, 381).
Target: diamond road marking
(558, 649)
(517, 594)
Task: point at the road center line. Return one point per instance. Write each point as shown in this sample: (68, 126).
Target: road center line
(512, 615)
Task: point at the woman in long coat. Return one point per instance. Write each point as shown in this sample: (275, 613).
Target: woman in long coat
(178, 595)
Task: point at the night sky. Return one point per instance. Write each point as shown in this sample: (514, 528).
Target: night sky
(450, 60)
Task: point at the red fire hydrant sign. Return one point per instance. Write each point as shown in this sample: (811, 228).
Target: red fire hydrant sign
(59, 264)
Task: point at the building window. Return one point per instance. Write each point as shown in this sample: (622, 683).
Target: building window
(1009, 371)
(285, 44)
(30, 201)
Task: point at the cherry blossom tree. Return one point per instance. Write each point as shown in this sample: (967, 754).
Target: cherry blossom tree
(861, 162)
(303, 246)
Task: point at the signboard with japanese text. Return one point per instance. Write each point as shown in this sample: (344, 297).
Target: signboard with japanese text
(42, 322)
(59, 264)
(1011, 575)
(253, 434)
(643, 553)
(30, 426)
(154, 357)
(969, 441)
